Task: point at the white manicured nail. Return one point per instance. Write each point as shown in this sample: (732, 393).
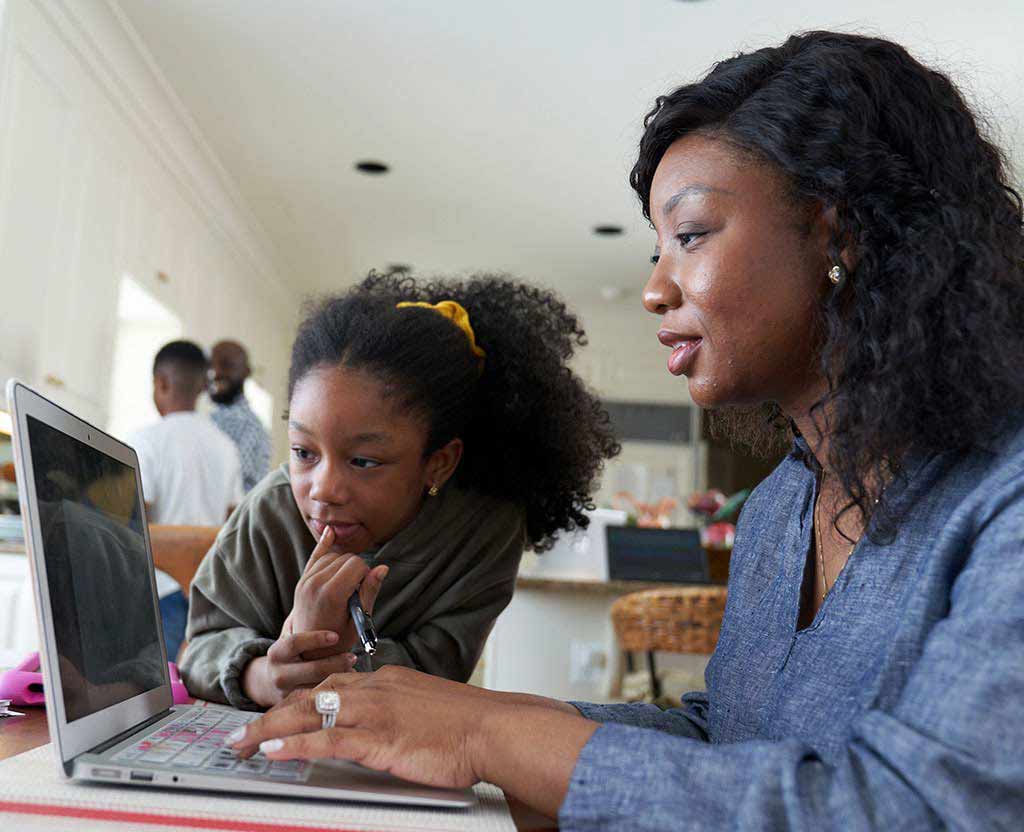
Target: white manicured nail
(236, 735)
(271, 745)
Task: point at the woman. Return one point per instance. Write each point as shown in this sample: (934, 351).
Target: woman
(838, 251)
(435, 431)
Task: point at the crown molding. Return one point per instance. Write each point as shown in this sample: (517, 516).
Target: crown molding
(103, 37)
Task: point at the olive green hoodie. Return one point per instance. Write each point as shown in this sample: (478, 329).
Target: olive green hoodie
(451, 572)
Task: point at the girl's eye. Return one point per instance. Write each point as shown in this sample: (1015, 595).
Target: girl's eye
(687, 238)
(362, 462)
(302, 454)
(654, 259)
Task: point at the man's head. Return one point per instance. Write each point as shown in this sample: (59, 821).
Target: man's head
(179, 376)
(229, 368)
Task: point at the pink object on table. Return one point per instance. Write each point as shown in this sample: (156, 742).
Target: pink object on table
(23, 685)
(178, 692)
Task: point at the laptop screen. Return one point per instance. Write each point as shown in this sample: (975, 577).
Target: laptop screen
(97, 570)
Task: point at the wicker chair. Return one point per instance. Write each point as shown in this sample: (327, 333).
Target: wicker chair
(673, 620)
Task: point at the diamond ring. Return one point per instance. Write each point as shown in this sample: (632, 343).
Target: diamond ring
(328, 703)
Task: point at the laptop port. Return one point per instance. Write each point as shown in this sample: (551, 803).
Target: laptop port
(142, 776)
(111, 773)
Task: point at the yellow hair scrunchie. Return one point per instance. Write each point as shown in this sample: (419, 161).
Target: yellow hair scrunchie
(457, 314)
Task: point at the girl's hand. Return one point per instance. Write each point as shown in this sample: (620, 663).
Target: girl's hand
(268, 679)
(322, 593)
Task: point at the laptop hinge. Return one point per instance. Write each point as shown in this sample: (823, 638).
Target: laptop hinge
(99, 749)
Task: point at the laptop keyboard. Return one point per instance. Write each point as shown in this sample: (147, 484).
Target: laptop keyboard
(195, 740)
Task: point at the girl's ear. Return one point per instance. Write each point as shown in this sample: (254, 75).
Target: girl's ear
(441, 464)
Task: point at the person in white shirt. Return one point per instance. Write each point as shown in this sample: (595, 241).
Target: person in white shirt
(191, 471)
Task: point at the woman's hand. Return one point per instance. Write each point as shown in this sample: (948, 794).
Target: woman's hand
(322, 593)
(415, 726)
(434, 731)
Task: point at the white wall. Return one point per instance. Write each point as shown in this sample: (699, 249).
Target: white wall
(102, 173)
(625, 362)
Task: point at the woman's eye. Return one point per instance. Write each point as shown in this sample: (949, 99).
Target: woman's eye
(302, 454)
(362, 462)
(687, 238)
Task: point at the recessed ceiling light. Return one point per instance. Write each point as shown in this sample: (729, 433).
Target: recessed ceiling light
(607, 230)
(372, 167)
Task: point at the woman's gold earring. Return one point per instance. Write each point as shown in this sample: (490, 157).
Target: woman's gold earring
(432, 491)
(835, 274)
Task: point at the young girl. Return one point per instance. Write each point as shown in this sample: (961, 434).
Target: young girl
(436, 430)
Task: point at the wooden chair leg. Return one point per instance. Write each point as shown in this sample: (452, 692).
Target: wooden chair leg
(655, 684)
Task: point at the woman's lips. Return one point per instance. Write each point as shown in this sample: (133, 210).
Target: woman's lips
(342, 531)
(684, 350)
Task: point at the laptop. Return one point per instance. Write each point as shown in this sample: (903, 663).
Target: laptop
(106, 680)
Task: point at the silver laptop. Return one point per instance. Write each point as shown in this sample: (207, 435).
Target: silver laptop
(106, 681)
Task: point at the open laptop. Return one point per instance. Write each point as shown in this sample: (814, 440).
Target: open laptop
(105, 674)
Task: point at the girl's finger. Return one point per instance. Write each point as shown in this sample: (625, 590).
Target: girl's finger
(345, 580)
(290, 648)
(370, 587)
(323, 546)
(312, 673)
(321, 574)
(322, 562)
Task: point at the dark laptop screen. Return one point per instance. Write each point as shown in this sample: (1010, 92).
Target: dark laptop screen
(97, 570)
(661, 555)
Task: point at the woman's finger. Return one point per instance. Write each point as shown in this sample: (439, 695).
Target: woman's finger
(342, 743)
(290, 648)
(281, 721)
(370, 587)
(298, 715)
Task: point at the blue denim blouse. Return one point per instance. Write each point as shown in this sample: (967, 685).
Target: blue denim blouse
(900, 707)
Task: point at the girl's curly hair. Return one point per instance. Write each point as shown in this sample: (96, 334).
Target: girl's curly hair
(532, 432)
(922, 342)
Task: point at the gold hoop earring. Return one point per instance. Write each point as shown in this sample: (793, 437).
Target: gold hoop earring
(835, 274)
(432, 491)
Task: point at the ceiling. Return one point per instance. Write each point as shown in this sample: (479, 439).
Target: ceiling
(509, 127)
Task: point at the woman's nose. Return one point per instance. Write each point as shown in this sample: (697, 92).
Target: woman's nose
(661, 293)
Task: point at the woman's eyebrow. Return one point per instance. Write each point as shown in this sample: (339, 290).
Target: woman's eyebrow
(688, 191)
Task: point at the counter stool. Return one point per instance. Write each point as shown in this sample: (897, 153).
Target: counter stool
(682, 619)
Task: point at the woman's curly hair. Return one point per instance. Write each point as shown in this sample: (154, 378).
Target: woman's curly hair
(922, 342)
(532, 432)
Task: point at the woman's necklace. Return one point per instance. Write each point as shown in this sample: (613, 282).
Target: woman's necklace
(817, 541)
(817, 537)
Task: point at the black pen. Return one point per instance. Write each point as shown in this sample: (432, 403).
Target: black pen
(363, 624)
